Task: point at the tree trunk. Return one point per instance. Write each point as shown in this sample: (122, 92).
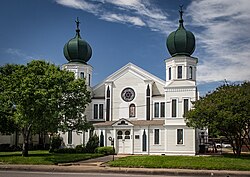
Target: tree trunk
(26, 134)
(214, 146)
(25, 149)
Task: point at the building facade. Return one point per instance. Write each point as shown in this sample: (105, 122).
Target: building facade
(142, 113)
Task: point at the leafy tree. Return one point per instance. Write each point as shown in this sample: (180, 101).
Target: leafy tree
(56, 142)
(226, 111)
(42, 94)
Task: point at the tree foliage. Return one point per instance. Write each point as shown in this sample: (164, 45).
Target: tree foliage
(92, 144)
(45, 99)
(226, 111)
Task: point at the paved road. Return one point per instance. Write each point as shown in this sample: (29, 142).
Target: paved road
(55, 174)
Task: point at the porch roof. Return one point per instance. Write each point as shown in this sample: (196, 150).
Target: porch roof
(134, 122)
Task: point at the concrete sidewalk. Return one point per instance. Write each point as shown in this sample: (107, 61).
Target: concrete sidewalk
(97, 166)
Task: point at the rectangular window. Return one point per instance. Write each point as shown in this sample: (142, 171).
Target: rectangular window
(157, 136)
(179, 72)
(190, 73)
(156, 109)
(70, 137)
(148, 108)
(169, 73)
(162, 109)
(179, 136)
(174, 102)
(100, 111)
(185, 105)
(89, 79)
(108, 109)
(95, 111)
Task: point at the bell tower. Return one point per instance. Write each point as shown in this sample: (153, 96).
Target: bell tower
(78, 52)
(180, 88)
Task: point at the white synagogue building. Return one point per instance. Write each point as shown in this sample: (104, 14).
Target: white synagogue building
(141, 112)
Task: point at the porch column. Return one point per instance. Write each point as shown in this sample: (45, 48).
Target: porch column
(115, 139)
(132, 140)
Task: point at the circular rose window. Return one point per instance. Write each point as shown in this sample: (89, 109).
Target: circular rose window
(128, 94)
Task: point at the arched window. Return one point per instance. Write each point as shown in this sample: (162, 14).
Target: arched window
(127, 134)
(169, 73)
(148, 103)
(132, 110)
(119, 134)
(82, 75)
(101, 139)
(108, 104)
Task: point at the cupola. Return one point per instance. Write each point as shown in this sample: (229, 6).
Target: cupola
(77, 49)
(181, 41)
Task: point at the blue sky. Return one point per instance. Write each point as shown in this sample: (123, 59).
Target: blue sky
(122, 31)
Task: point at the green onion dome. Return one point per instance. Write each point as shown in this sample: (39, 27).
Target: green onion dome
(77, 49)
(181, 41)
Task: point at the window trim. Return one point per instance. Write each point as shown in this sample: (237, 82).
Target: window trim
(160, 110)
(169, 73)
(190, 72)
(70, 137)
(182, 136)
(130, 112)
(180, 66)
(82, 75)
(157, 110)
(183, 104)
(159, 139)
(171, 106)
(101, 111)
(97, 111)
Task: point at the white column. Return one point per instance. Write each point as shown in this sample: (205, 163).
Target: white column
(132, 140)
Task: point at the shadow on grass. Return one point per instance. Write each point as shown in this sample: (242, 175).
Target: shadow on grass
(30, 155)
(242, 156)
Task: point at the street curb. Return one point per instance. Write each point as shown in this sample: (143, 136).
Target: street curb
(121, 170)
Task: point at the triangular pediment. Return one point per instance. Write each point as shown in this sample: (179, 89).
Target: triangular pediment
(134, 70)
(122, 123)
(180, 83)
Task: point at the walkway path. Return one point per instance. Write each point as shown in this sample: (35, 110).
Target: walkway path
(94, 162)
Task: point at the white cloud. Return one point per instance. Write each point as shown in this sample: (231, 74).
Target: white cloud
(224, 39)
(79, 4)
(123, 19)
(17, 53)
(222, 30)
(136, 12)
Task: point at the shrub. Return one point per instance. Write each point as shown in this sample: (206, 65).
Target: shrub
(56, 142)
(108, 150)
(16, 148)
(92, 144)
(4, 147)
(80, 149)
(65, 150)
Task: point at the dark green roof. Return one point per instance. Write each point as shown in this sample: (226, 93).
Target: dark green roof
(181, 41)
(77, 49)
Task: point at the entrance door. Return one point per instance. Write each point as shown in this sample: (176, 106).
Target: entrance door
(124, 141)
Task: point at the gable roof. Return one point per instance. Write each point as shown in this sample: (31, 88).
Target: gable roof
(130, 67)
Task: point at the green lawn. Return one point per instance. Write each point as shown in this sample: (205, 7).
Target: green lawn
(42, 157)
(188, 162)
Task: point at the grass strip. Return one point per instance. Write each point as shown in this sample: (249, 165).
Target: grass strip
(43, 158)
(184, 162)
